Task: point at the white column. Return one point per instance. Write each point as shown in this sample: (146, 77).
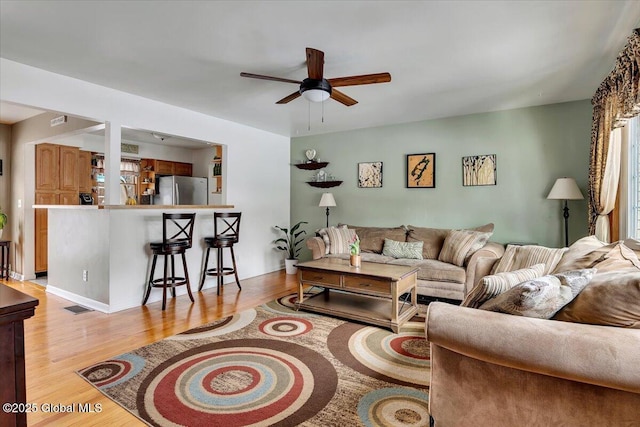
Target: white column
(112, 156)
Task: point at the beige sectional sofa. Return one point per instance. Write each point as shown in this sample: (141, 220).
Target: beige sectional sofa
(436, 278)
(579, 368)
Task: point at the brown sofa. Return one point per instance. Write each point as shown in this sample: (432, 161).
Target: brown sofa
(499, 369)
(495, 369)
(435, 278)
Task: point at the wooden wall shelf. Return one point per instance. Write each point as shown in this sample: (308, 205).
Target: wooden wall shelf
(312, 165)
(324, 184)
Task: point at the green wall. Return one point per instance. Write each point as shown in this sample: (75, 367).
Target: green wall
(534, 146)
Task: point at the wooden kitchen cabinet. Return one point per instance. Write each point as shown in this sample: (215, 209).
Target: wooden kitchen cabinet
(41, 227)
(164, 167)
(68, 168)
(182, 169)
(57, 183)
(85, 183)
(47, 163)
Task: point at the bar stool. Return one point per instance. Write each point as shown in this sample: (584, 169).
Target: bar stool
(229, 225)
(177, 236)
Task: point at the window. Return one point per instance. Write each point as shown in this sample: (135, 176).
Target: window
(633, 180)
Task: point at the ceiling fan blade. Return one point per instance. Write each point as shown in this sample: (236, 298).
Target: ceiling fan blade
(365, 79)
(342, 98)
(315, 63)
(289, 98)
(275, 79)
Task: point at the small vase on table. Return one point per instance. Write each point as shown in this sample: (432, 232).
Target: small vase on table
(354, 248)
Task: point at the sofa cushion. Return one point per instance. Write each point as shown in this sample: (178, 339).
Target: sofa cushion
(409, 250)
(431, 269)
(459, 245)
(517, 257)
(339, 238)
(577, 250)
(372, 238)
(611, 299)
(541, 297)
(491, 286)
(433, 238)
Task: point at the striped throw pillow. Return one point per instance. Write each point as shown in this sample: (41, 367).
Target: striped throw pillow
(461, 244)
(491, 286)
(518, 257)
(339, 239)
(407, 250)
(324, 233)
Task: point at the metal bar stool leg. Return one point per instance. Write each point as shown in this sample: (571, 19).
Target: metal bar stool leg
(219, 268)
(164, 283)
(150, 283)
(204, 270)
(186, 277)
(173, 276)
(235, 270)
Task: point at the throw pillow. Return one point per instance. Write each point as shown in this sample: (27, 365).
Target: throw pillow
(461, 244)
(542, 297)
(339, 239)
(576, 251)
(613, 257)
(517, 257)
(491, 286)
(611, 299)
(433, 238)
(324, 233)
(407, 250)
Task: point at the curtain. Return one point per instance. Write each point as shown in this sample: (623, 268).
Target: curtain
(616, 100)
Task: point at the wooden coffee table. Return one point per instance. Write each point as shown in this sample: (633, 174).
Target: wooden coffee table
(369, 293)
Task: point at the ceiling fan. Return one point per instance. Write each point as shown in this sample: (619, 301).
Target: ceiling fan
(316, 88)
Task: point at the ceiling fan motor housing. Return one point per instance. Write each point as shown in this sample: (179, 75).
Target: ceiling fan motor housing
(313, 84)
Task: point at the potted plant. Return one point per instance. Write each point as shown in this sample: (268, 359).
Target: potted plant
(3, 221)
(290, 244)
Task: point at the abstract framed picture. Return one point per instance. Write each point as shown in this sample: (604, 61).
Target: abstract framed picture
(479, 170)
(421, 170)
(370, 175)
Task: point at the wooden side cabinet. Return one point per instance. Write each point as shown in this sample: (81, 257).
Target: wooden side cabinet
(68, 168)
(15, 307)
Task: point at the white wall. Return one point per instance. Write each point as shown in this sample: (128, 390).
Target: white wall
(257, 170)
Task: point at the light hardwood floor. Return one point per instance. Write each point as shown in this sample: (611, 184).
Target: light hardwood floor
(58, 343)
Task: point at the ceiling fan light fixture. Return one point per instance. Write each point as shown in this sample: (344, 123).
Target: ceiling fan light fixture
(315, 90)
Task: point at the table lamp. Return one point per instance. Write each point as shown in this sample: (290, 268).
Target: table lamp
(325, 201)
(565, 189)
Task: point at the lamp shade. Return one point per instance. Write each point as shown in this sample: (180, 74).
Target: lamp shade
(327, 200)
(565, 189)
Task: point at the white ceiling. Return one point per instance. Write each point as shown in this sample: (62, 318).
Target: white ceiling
(445, 58)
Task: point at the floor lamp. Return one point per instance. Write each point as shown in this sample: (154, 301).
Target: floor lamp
(327, 200)
(565, 189)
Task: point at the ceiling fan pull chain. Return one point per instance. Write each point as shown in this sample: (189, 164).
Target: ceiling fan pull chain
(322, 111)
(309, 116)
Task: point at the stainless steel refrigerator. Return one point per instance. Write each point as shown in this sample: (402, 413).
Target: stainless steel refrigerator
(181, 190)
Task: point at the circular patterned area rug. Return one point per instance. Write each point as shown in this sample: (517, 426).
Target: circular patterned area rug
(401, 358)
(238, 382)
(272, 365)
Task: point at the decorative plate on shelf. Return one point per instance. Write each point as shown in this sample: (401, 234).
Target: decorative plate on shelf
(311, 154)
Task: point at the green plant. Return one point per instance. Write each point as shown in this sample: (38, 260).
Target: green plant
(291, 241)
(3, 219)
(354, 246)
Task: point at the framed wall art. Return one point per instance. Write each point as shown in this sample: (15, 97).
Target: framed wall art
(479, 170)
(370, 175)
(421, 170)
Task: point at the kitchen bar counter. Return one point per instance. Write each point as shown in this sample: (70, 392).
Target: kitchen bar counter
(133, 207)
(100, 258)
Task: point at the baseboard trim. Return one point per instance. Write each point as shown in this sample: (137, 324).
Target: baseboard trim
(79, 299)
